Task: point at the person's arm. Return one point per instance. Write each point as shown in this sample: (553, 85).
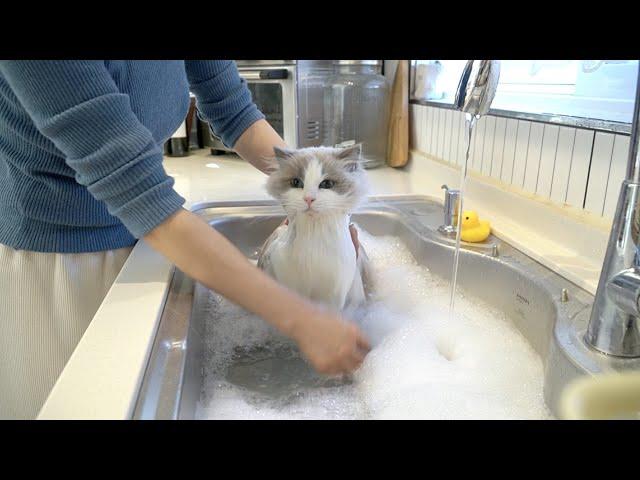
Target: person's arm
(79, 108)
(331, 344)
(256, 144)
(77, 105)
(224, 99)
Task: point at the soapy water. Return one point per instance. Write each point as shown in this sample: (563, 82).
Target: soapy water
(424, 364)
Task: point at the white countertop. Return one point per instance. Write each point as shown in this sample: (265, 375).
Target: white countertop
(102, 377)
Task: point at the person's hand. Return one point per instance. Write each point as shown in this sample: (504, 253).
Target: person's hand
(354, 238)
(352, 230)
(331, 344)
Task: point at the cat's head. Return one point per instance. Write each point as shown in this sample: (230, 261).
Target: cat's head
(318, 181)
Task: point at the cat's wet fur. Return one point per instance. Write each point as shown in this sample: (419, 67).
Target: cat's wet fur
(314, 254)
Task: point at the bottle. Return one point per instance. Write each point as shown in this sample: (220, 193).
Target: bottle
(356, 106)
(178, 144)
(193, 125)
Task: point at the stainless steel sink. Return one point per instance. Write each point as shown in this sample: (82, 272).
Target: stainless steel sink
(548, 310)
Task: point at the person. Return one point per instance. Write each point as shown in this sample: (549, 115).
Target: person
(81, 180)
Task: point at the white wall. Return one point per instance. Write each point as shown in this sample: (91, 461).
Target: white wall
(566, 165)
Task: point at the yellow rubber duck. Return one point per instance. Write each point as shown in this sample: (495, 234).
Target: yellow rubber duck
(473, 229)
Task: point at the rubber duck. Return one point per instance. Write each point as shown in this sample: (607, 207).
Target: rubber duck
(473, 229)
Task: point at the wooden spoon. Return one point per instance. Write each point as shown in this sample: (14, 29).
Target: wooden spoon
(398, 150)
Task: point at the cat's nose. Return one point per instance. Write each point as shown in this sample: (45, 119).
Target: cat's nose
(309, 200)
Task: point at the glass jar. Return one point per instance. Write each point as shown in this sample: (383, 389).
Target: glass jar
(356, 109)
(312, 80)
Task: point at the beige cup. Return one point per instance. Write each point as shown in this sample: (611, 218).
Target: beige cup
(614, 396)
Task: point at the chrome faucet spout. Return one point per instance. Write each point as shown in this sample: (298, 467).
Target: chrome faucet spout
(477, 87)
(614, 325)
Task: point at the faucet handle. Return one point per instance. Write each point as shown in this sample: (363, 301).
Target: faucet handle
(449, 191)
(451, 209)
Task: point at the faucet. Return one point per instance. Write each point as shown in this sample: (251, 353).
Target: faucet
(476, 89)
(614, 325)
(451, 211)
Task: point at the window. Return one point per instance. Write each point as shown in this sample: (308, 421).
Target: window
(601, 90)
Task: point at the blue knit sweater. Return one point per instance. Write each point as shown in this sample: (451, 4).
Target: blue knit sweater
(80, 145)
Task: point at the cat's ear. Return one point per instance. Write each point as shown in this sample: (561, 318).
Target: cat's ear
(283, 153)
(352, 157)
(352, 151)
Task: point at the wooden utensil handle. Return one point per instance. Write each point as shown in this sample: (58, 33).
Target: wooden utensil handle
(398, 152)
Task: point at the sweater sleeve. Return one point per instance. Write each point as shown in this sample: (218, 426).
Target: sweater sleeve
(77, 105)
(222, 97)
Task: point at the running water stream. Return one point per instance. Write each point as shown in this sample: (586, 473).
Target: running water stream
(470, 121)
(475, 93)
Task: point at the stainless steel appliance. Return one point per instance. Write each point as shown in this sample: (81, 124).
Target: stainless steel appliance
(290, 94)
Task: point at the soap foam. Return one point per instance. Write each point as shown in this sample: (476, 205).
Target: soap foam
(424, 365)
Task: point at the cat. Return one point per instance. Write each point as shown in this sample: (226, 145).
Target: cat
(313, 253)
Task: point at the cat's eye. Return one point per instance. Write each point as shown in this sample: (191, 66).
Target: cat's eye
(327, 184)
(296, 183)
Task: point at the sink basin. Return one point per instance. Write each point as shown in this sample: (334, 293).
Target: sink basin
(529, 294)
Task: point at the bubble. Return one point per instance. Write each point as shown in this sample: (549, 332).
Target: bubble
(424, 365)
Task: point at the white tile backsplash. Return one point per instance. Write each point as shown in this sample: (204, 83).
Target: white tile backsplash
(579, 167)
(426, 119)
(509, 152)
(616, 173)
(487, 146)
(534, 150)
(478, 143)
(442, 128)
(456, 127)
(415, 126)
(579, 172)
(564, 153)
(520, 158)
(599, 172)
(432, 133)
(448, 121)
(498, 147)
(547, 160)
(461, 140)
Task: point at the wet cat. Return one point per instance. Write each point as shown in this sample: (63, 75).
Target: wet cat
(313, 253)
